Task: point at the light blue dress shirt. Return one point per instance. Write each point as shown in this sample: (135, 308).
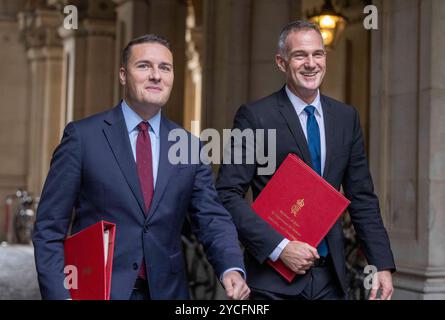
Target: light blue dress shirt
(299, 106)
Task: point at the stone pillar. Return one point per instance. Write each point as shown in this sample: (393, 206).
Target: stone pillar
(89, 70)
(131, 22)
(13, 107)
(193, 71)
(226, 60)
(167, 18)
(164, 17)
(239, 49)
(264, 77)
(347, 75)
(44, 51)
(407, 140)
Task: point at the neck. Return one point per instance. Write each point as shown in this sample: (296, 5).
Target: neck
(308, 96)
(146, 112)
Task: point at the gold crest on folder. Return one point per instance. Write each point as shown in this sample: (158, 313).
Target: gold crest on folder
(297, 206)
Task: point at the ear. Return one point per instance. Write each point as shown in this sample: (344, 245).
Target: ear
(122, 76)
(281, 63)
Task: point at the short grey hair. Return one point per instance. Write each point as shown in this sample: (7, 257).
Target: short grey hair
(295, 26)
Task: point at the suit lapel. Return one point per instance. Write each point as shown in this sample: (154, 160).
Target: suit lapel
(117, 136)
(290, 116)
(329, 120)
(165, 168)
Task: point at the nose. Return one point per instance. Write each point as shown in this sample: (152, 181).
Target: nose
(154, 75)
(310, 62)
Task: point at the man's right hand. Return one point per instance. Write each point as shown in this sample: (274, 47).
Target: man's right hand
(299, 256)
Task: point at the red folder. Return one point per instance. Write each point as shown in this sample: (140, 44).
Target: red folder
(90, 251)
(300, 205)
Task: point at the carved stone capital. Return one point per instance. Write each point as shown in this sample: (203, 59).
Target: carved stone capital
(38, 27)
(90, 27)
(10, 8)
(88, 9)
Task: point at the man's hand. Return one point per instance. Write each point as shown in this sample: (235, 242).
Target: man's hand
(382, 280)
(235, 286)
(299, 256)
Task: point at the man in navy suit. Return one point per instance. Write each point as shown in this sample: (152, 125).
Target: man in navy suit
(114, 166)
(326, 134)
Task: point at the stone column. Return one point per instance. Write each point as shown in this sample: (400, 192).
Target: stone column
(44, 50)
(268, 18)
(167, 18)
(131, 22)
(13, 107)
(347, 75)
(239, 49)
(407, 140)
(193, 70)
(89, 69)
(164, 17)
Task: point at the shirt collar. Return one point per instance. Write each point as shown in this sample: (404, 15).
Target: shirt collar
(132, 119)
(299, 104)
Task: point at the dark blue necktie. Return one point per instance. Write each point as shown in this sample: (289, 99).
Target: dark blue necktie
(313, 138)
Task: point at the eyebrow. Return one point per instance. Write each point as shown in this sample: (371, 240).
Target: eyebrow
(149, 62)
(303, 51)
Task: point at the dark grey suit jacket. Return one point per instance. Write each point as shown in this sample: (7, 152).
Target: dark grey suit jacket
(346, 165)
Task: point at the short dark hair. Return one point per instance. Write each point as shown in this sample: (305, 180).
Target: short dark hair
(148, 38)
(295, 26)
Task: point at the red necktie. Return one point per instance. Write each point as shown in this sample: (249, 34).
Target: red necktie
(145, 171)
(144, 164)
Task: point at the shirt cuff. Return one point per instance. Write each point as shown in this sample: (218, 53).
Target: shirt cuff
(233, 269)
(276, 253)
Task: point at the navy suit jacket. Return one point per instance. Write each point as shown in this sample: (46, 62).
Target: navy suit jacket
(346, 165)
(93, 172)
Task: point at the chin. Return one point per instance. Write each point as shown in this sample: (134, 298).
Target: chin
(312, 86)
(156, 103)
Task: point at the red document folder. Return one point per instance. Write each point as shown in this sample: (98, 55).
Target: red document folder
(91, 252)
(300, 205)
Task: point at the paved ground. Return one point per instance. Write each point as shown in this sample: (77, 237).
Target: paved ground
(18, 278)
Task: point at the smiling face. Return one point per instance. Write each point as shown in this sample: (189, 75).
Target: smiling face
(148, 76)
(304, 63)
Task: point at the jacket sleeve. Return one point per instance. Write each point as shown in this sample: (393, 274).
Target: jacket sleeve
(233, 182)
(364, 208)
(54, 215)
(213, 225)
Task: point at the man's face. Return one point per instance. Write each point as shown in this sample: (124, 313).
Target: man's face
(148, 76)
(304, 62)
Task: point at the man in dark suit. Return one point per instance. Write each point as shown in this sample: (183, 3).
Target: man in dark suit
(326, 134)
(115, 166)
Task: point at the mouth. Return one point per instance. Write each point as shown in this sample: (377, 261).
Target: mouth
(153, 89)
(309, 75)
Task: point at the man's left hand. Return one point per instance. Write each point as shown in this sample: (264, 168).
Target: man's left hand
(383, 281)
(235, 286)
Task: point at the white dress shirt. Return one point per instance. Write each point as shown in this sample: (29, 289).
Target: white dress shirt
(299, 106)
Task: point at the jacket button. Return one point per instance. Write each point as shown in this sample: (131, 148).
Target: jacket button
(145, 228)
(135, 266)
